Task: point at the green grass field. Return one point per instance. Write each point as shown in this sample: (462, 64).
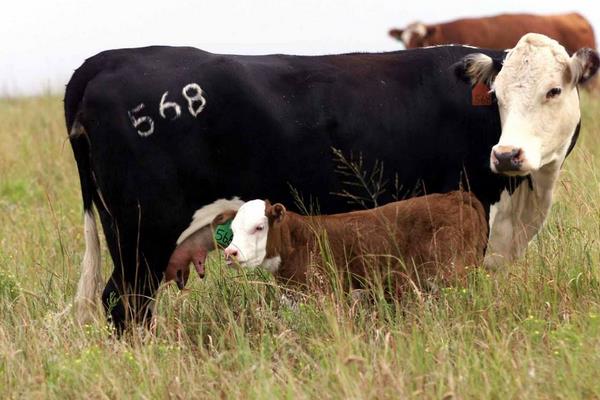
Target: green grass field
(530, 331)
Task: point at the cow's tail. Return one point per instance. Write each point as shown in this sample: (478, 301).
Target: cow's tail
(87, 302)
(87, 299)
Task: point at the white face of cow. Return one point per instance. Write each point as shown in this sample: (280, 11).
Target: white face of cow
(413, 34)
(536, 89)
(250, 230)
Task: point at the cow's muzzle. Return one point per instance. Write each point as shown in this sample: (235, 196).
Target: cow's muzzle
(231, 255)
(507, 159)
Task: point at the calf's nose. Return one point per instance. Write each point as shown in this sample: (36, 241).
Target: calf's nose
(230, 253)
(507, 158)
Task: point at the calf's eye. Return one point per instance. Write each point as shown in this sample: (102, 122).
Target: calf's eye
(553, 92)
(260, 228)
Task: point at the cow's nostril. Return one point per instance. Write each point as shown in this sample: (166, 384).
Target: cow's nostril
(508, 160)
(495, 158)
(230, 253)
(516, 154)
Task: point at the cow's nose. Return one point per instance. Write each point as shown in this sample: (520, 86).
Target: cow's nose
(230, 252)
(507, 158)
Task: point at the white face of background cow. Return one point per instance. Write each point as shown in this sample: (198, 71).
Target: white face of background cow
(536, 90)
(250, 230)
(414, 35)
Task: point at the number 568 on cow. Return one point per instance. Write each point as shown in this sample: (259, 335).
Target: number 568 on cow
(168, 110)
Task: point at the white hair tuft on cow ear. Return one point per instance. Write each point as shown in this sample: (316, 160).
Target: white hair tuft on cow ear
(478, 68)
(584, 65)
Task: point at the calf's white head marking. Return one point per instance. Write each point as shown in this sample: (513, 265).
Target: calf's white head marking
(250, 232)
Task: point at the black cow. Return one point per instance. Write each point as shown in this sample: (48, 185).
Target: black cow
(158, 132)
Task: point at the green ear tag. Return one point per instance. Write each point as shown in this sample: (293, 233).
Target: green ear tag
(224, 234)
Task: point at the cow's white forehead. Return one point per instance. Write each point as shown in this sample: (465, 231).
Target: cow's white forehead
(416, 28)
(249, 214)
(535, 57)
(541, 41)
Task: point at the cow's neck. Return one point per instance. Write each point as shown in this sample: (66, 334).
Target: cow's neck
(290, 244)
(516, 218)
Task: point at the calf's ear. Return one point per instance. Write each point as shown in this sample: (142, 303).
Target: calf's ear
(584, 65)
(276, 212)
(223, 217)
(478, 68)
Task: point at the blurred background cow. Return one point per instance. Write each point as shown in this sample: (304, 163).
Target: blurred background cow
(499, 32)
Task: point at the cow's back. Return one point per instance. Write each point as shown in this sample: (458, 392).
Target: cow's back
(575, 32)
(439, 227)
(433, 237)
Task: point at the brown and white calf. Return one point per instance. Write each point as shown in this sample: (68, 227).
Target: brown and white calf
(194, 243)
(434, 236)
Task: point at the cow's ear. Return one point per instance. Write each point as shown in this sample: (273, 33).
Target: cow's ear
(584, 65)
(276, 212)
(223, 217)
(478, 68)
(396, 33)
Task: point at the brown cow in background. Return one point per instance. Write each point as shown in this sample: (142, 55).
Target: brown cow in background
(500, 32)
(503, 31)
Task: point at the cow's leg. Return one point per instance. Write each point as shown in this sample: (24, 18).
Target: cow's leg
(129, 298)
(136, 275)
(112, 301)
(154, 257)
(129, 294)
(123, 260)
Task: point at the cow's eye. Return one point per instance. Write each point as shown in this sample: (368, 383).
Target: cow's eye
(553, 92)
(260, 227)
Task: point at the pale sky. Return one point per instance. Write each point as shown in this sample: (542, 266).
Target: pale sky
(42, 42)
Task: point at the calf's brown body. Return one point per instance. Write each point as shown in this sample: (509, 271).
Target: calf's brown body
(415, 240)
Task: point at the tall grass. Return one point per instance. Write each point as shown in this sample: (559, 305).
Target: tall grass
(530, 331)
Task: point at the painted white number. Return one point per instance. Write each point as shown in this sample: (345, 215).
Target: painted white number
(168, 104)
(193, 94)
(144, 124)
(138, 121)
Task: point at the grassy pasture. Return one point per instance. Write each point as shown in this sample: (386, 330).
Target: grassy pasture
(530, 331)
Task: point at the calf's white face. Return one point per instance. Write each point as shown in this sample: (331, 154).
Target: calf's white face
(250, 230)
(538, 102)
